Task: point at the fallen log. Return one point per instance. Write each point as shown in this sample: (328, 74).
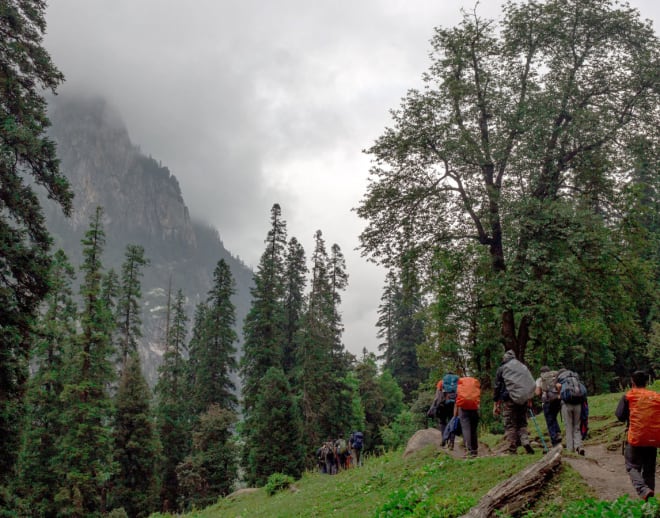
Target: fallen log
(518, 491)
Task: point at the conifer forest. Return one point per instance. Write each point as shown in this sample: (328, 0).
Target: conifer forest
(514, 202)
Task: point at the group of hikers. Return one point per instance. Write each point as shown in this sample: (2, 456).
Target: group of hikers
(456, 408)
(333, 456)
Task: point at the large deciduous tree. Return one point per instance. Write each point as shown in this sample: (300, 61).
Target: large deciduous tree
(519, 123)
(26, 71)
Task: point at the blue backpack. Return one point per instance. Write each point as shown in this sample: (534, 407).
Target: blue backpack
(449, 387)
(356, 440)
(573, 390)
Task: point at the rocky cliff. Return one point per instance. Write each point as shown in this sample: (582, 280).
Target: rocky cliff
(142, 205)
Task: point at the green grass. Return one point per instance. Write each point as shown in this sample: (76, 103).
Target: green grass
(428, 484)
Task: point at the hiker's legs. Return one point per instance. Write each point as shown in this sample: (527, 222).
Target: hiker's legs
(515, 425)
(441, 416)
(449, 413)
(648, 466)
(638, 459)
(571, 415)
(469, 420)
(550, 411)
(571, 423)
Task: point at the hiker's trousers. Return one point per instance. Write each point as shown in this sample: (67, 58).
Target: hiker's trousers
(571, 416)
(515, 424)
(640, 465)
(469, 421)
(551, 411)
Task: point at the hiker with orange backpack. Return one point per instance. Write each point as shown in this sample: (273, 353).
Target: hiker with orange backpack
(468, 397)
(640, 408)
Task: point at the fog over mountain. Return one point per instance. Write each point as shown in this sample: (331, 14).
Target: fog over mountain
(142, 205)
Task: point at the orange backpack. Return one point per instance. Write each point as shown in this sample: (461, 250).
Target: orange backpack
(644, 429)
(468, 394)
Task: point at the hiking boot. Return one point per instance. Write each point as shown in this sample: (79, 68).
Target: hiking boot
(647, 495)
(580, 451)
(529, 449)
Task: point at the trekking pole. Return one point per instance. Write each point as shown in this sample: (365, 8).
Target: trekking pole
(545, 448)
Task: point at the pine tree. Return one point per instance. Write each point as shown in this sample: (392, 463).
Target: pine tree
(25, 151)
(277, 433)
(84, 460)
(214, 356)
(386, 323)
(128, 302)
(294, 299)
(211, 470)
(136, 446)
(172, 403)
(37, 479)
(263, 329)
(323, 396)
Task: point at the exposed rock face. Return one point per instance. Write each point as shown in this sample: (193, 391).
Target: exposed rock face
(142, 205)
(422, 439)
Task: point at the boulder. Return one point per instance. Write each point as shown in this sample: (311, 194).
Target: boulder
(422, 439)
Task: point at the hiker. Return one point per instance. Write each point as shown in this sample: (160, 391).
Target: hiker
(514, 389)
(468, 397)
(327, 458)
(356, 443)
(640, 409)
(343, 453)
(442, 407)
(546, 387)
(572, 394)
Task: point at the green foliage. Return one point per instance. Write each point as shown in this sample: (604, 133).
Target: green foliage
(278, 482)
(128, 302)
(27, 159)
(84, 461)
(263, 329)
(273, 432)
(136, 445)
(211, 469)
(414, 502)
(622, 506)
(212, 350)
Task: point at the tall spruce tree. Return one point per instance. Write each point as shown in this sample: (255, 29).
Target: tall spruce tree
(321, 390)
(37, 479)
(128, 302)
(214, 356)
(172, 410)
(212, 468)
(277, 443)
(294, 299)
(386, 323)
(84, 460)
(25, 150)
(136, 445)
(263, 329)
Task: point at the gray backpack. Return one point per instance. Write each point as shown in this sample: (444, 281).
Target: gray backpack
(520, 383)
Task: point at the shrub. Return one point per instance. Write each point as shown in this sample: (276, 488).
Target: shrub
(278, 482)
(622, 506)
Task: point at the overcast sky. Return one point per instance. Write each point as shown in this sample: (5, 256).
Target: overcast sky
(255, 102)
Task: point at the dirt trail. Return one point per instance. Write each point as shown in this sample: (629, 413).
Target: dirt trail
(601, 469)
(604, 471)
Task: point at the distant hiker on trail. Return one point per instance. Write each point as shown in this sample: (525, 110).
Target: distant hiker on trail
(327, 458)
(468, 398)
(640, 409)
(572, 394)
(442, 407)
(343, 453)
(546, 387)
(356, 442)
(514, 389)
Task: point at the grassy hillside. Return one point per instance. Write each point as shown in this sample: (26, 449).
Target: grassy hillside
(434, 484)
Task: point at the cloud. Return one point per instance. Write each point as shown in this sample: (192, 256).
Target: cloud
(254, 102)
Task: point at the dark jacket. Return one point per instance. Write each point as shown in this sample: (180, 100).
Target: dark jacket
(622, 411)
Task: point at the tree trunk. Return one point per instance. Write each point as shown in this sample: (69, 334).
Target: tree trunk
(514, 494)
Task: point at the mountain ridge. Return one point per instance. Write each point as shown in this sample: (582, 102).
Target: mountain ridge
(143, 205)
